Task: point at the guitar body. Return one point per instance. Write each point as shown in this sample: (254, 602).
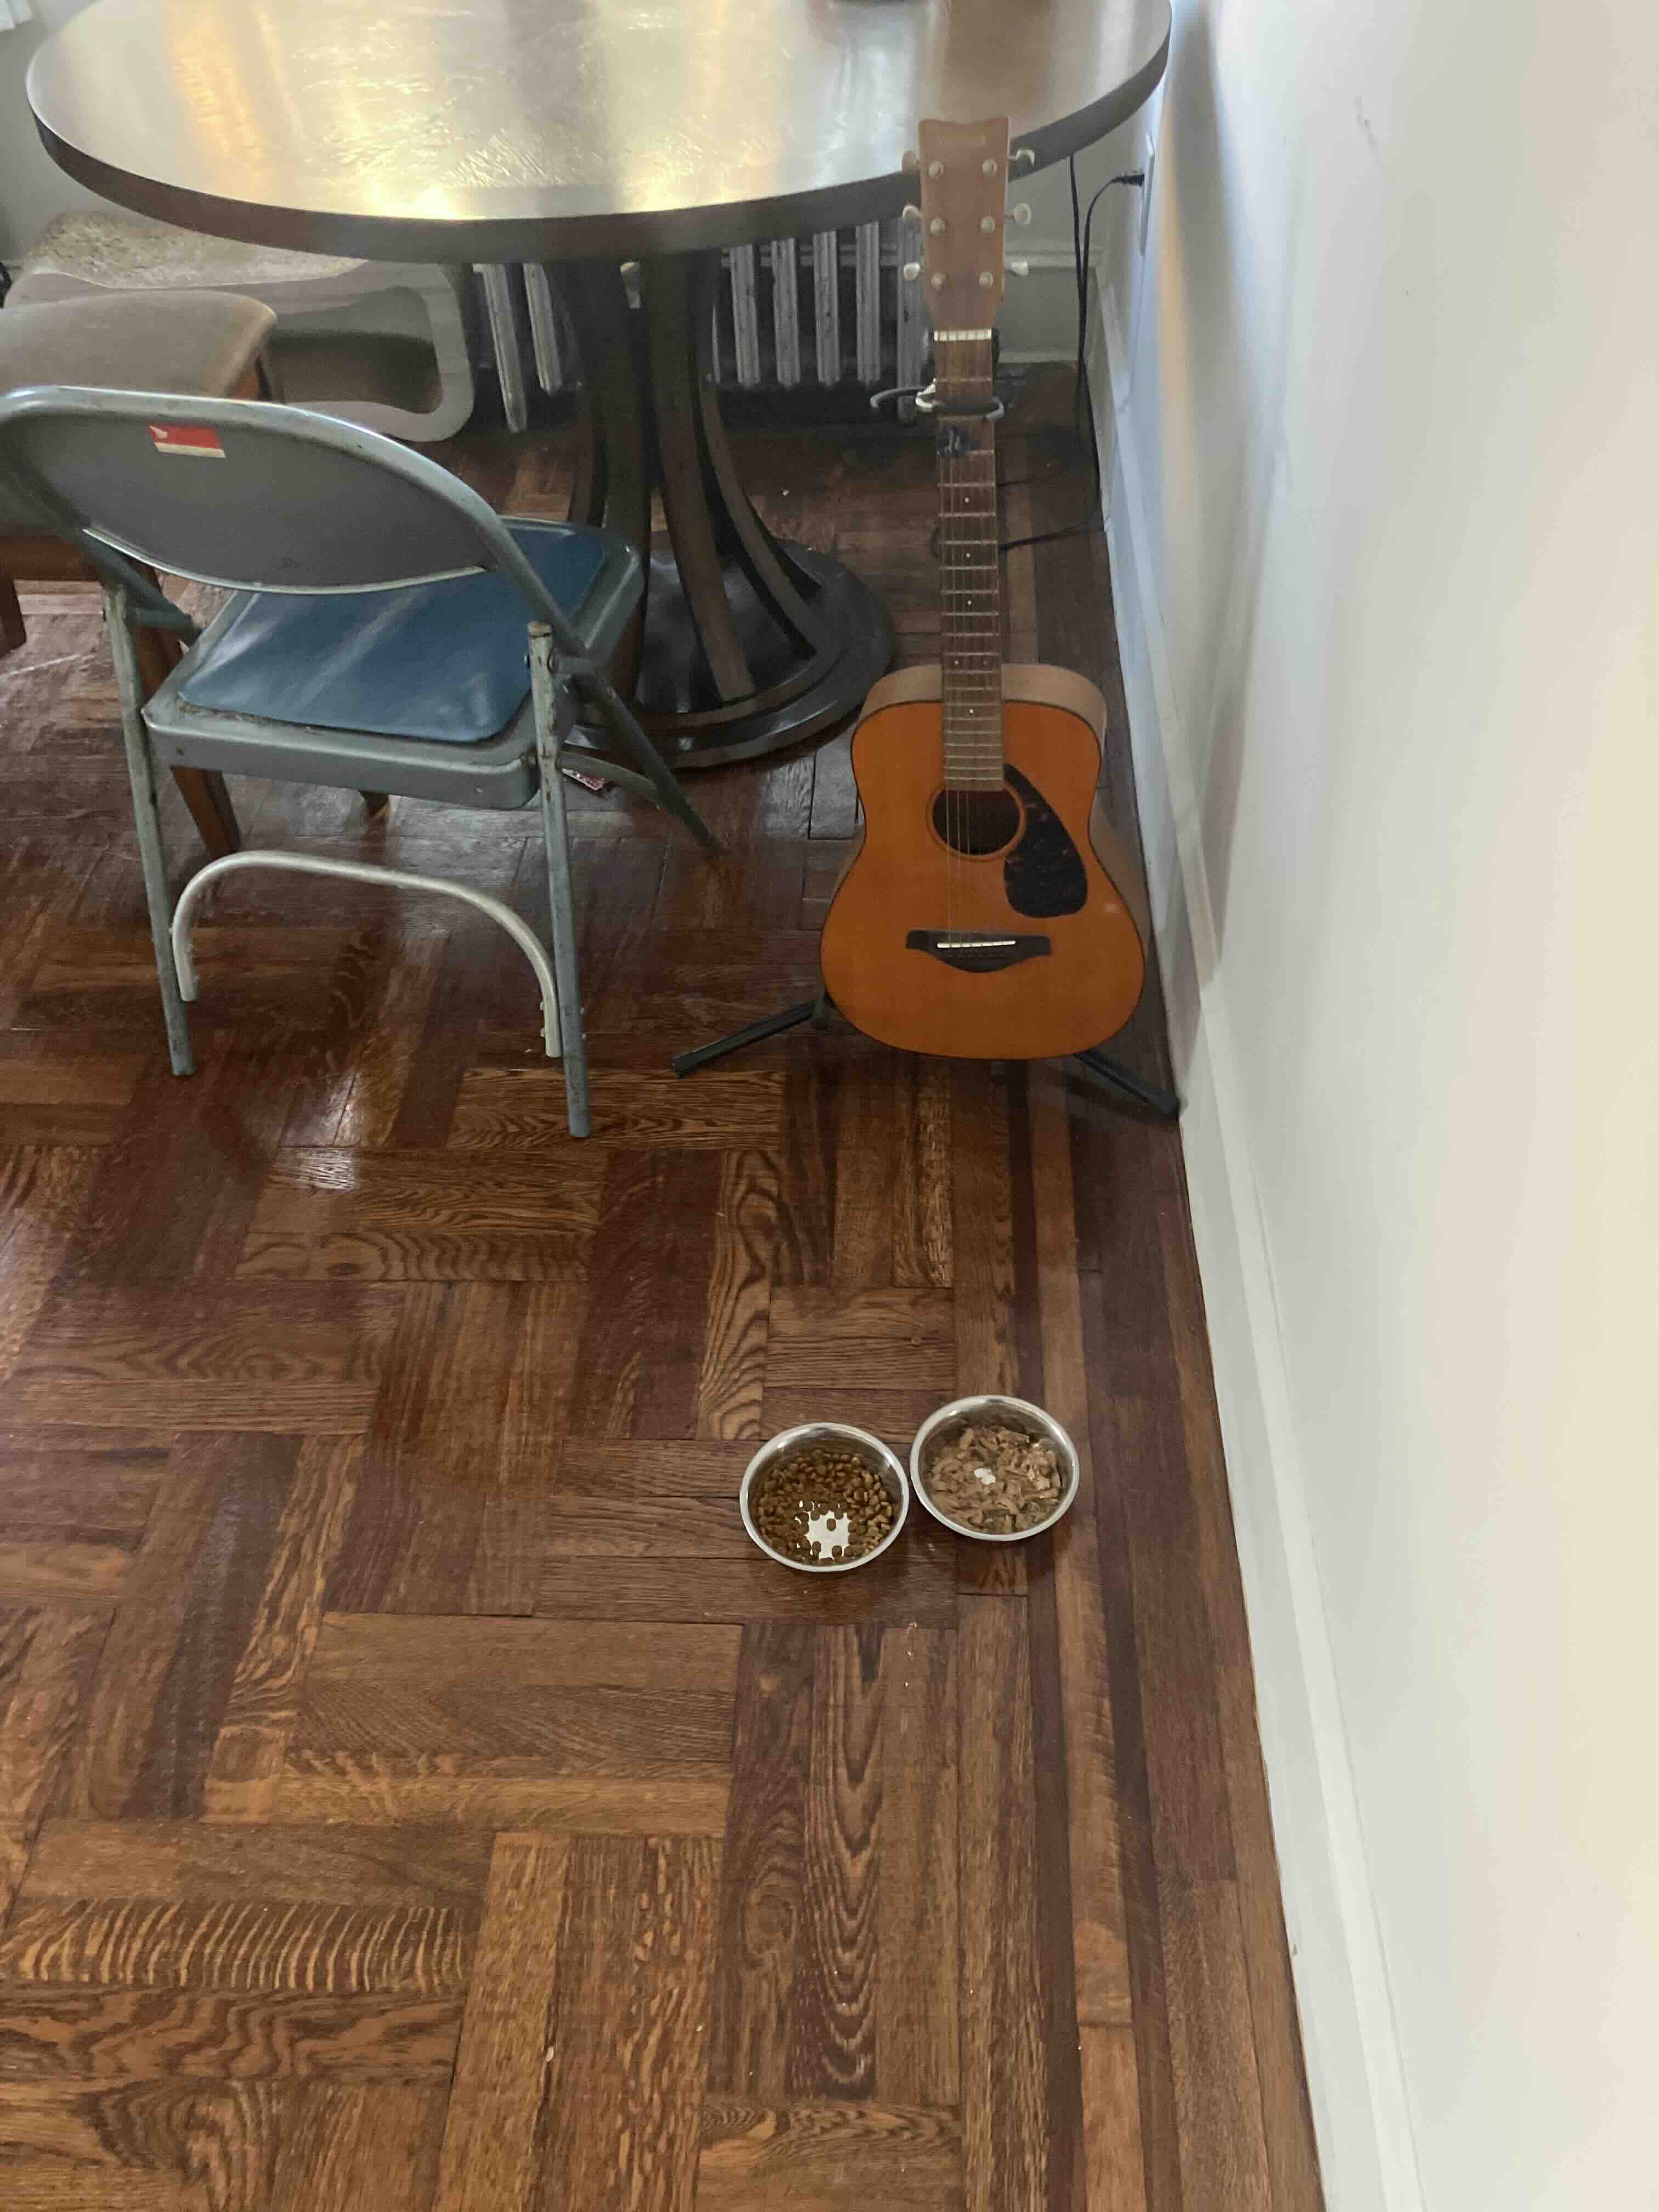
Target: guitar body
(1029, 950)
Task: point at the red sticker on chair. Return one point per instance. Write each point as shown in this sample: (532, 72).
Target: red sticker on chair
(193, 439)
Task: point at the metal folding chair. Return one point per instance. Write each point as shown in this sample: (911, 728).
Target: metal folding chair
(376, 643)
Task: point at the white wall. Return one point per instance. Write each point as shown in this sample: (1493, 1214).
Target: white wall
(1038, 320)
(1386, 553)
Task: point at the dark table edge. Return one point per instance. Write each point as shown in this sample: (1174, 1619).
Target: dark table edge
(570, 237)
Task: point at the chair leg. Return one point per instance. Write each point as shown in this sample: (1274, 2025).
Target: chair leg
(555, 838)
(374, 802)
(670, 793)
(205, 792)
(12, 632)
(156, 654)
(141, 773)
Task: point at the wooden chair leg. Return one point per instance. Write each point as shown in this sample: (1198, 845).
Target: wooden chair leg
(203, 791)
(12, 632)
(156, 654)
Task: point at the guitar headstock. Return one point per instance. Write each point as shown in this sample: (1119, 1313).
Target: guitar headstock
(962, 171)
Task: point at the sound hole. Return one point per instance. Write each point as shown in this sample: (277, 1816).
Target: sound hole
(976, 822)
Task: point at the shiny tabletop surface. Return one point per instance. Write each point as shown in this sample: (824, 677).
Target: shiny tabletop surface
(515, 129)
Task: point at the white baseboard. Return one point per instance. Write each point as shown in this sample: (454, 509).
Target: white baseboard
(1354, 2072)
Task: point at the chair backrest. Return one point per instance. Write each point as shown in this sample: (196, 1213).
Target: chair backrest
(252, 496)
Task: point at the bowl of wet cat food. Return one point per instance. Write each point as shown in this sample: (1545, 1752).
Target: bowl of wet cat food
(825, 1498)
(996, 1469)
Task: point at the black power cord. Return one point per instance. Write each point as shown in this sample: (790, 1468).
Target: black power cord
(1081, 400)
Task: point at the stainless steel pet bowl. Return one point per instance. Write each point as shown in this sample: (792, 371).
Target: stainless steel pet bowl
(882, 1463)
(1005, 1413)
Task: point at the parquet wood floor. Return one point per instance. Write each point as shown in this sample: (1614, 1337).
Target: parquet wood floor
(414, 1791)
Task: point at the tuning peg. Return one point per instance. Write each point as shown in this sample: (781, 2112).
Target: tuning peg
(936, 280)
(912, 160)
(1023, 157)
(912, 271)
(908, 214)
(936, 168)
(1018, 268)
(1022, 214)
(988, 167)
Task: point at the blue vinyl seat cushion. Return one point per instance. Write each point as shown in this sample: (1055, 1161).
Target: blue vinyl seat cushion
(446, 661)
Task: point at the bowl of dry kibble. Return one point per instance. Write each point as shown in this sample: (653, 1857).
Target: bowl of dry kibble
(996, 1469)
(823, 1498)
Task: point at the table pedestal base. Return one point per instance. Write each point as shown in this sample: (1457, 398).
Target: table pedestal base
(747, 644)
(803, 696)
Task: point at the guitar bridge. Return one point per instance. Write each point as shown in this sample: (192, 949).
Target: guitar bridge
(977, 951)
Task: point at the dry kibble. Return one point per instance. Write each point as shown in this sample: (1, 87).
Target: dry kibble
(994, 1480)
(821, 1479)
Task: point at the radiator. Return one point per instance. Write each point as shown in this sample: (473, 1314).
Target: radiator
(800, 311)
(819, 310)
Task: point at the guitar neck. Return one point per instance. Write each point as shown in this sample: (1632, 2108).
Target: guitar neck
(970, 629)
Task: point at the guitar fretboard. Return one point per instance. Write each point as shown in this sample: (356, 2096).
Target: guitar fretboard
(970, 640)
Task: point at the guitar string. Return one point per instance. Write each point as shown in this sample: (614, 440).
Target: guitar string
(972, 629)
(959, 805)
(992, 624)
(947, 540)
(941, 442)
(947, 682)
(942, 467)
(955, 804)
(965, 604)
(970, 608)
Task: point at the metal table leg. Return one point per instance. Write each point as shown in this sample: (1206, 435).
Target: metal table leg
(504, 341)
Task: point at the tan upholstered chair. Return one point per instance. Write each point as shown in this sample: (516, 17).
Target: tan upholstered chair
(198, 344)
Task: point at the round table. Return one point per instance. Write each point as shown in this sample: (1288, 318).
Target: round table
(584, 134)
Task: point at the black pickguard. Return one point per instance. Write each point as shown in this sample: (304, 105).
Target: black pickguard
(1044, 873)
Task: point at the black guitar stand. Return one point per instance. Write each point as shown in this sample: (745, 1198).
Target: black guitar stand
(1163, 1104)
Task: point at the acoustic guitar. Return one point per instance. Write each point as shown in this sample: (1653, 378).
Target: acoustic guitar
(989, 914)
